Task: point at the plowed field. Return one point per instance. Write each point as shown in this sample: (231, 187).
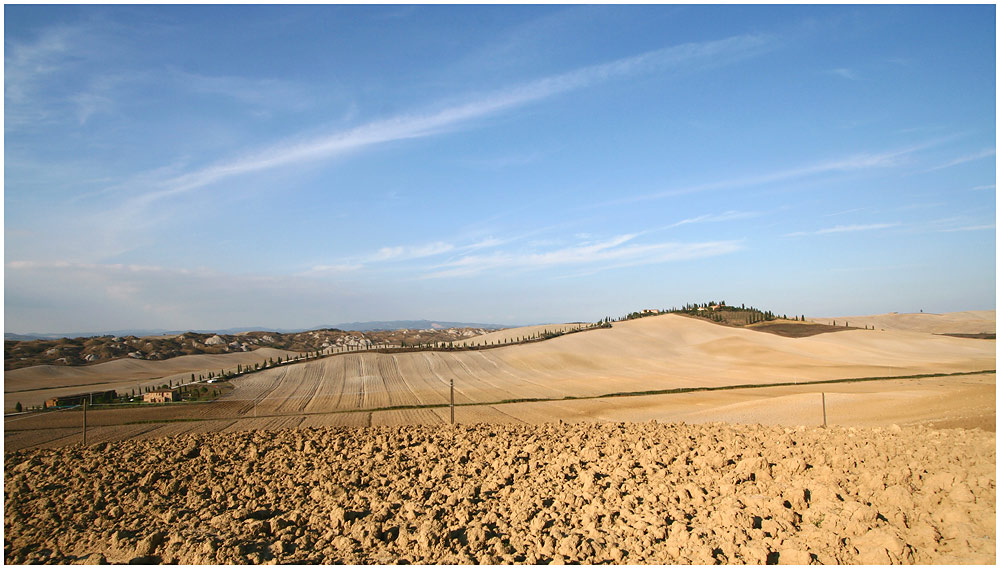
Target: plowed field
(635, 493)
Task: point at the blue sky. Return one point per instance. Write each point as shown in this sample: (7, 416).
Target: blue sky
(278, 166)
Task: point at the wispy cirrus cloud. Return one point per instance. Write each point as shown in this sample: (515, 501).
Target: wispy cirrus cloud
(850, 163)
(844, 72)
(27, 65)
(334, 269)
(716, 217)
(957, 223)
(844, 229)
(403, 254)
(72, 72)
(419, 125)
(264, 92)
(412, 252)
(969, 228)
(611, 253)
(986, 153)
(594, 255)
(118, 267)
(846, 211)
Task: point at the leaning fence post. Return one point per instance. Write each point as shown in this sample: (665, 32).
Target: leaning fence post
(453, 402)
(824, 410)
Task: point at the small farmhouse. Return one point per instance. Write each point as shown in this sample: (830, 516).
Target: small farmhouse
(161, 396)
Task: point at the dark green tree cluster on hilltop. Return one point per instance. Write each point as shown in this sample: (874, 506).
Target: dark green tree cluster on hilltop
(719, 311)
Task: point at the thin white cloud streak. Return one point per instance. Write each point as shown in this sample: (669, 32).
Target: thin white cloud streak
(922, 205)
(846, 211)
(985, 187)
(332, 269)
(403, 253)
(119, 267)
(844, 72)
(716, 218)
(615, 251)
(848, 164)
(968, 228)
(844, 229)
(423, 125)
(963, 159)
(610, 253)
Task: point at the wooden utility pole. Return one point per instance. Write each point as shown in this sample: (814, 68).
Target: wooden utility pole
(453, 402)
(824, 410)
(84, 422)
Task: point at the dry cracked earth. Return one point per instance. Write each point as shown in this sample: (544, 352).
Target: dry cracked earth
(552, 493)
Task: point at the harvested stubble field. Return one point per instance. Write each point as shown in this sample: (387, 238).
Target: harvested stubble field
(641, 356)
(590, 493)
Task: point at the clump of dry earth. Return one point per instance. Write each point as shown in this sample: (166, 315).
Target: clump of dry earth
(553, 493)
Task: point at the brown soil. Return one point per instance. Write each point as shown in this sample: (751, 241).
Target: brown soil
(796, 329)
(589, 493)
(980, 336)
(779, 326)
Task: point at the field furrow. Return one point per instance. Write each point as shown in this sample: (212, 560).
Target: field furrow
(506, 373)
(421, 379)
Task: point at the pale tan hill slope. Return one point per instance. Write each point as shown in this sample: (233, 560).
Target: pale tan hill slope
(967, 322)
(665, 352)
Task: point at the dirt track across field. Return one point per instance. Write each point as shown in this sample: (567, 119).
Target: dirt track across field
(589, 493)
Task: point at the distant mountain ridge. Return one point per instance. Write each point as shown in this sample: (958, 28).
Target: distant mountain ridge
(349, 326)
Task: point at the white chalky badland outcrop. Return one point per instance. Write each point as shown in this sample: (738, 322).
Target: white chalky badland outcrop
(588, 493)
